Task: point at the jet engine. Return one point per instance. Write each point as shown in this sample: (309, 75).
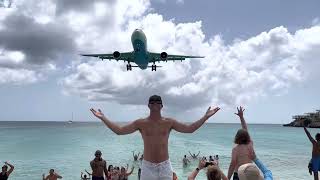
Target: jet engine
(116, 54)
(163, 55)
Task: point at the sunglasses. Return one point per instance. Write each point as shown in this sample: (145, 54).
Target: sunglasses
(155, 102)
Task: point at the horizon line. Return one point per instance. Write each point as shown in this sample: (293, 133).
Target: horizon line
(130, 121)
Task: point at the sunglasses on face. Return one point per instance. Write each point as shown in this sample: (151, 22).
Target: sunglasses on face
(155, 102)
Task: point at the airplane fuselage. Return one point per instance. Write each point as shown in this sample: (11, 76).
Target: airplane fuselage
(140, 53)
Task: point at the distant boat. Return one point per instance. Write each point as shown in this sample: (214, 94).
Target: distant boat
(71, 121)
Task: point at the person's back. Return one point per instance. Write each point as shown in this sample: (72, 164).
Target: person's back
(243, 154)
(242, 151)
(316, 149)
(315, 153)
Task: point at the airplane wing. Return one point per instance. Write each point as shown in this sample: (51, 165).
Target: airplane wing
(153, 57)
(126, 56)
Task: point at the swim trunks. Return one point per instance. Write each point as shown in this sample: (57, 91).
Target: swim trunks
(156, 171)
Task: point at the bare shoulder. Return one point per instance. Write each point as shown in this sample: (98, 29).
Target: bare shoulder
(169, 119)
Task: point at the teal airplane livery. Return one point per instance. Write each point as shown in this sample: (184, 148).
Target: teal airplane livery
(140, 55)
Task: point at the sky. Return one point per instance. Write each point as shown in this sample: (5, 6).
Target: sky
(260, 55)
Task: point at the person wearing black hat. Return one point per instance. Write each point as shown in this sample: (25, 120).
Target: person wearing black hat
(155, 131)
(98, 166)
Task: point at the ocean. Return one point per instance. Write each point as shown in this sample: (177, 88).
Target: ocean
(35, 147)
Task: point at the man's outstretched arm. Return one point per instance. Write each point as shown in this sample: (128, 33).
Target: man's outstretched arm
(198, 154)
(190, 128)
(127, 129)
(309, 135)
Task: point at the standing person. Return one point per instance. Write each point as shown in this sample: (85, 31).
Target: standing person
(124, 174)
(4, 171)
(52, 175)
(155, 131)
(242, 151)
(211, 158)
(110, 172)
(139, 173)
(98, 166)
(249, 171)
(315, 161)
(141, 157)
(185, 161)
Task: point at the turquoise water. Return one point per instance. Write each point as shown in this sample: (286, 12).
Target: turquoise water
(35, 147)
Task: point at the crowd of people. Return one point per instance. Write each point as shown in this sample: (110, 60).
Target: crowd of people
(155, 163)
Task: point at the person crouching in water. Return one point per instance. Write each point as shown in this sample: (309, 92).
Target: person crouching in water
(242, 151)
(315, 153)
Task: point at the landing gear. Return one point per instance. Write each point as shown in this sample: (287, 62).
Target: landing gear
(154, 67)
(129, 67)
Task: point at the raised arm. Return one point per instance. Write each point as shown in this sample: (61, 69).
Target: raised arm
(88, 172)
(127, 129)
(43, 177)
(309, 136)
(11, 167)
(190, 128)
(232, 165)
(240, 114)
(133, 154)
(128, 174)
(195, 172)
(198, 154)
(190, 154)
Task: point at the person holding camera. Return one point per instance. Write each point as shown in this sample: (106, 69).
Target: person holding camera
(213, 171)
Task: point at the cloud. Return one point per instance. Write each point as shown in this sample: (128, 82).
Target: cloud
(42, 35)
(315, 21)
(180, 1)
(268, 63)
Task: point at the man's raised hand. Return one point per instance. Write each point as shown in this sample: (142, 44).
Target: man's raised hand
(210, 112)
(98, 113)
(240, 111)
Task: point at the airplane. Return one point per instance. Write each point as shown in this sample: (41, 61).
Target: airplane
(140, 56)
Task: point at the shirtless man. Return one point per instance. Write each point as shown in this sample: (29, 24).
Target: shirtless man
(52, 175)
(315, 153)
(155, 131)
(185, 161)
(98, 166)
(194, 156)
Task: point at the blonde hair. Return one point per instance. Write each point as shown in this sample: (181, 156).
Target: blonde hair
(213, 173)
